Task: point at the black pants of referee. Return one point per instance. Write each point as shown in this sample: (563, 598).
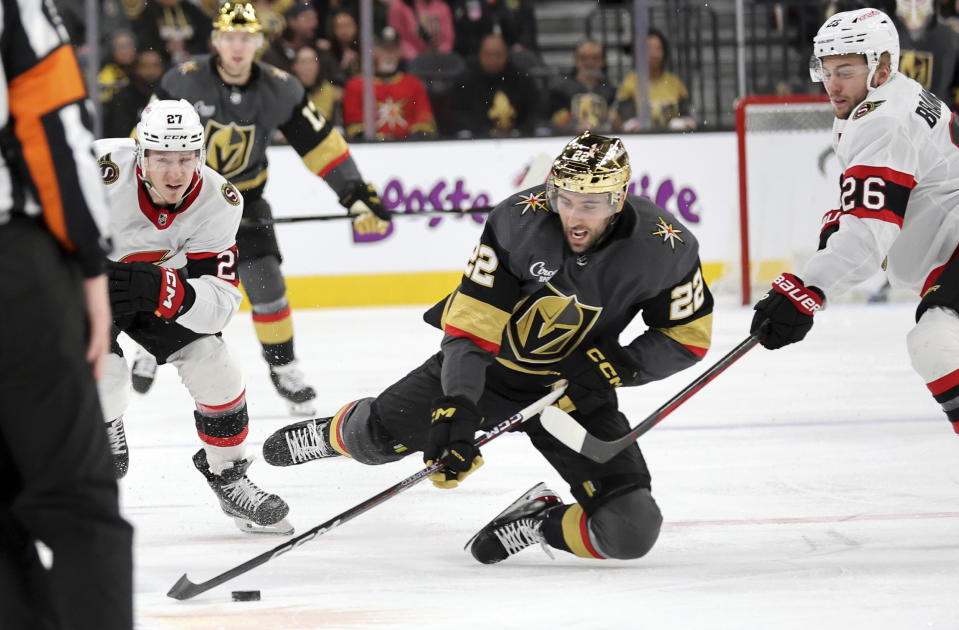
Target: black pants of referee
(56, 477)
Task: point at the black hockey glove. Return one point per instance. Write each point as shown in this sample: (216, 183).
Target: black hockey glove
(143, 286)
(369, 214)
(455, 420)
(788, 307)
(594, 372)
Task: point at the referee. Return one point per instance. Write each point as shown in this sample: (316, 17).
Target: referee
(56, 477)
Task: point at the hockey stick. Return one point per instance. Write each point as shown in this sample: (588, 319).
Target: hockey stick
(185, 589)
(340, 217)
(565, 429)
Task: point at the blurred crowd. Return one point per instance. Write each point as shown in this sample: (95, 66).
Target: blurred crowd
(443, 68)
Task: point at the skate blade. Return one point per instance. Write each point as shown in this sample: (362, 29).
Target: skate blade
(306, 409)
(280, 528)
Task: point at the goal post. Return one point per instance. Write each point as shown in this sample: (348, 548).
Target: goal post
(787, 181)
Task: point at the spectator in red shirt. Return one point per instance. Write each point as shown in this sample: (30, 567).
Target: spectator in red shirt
(402, 107)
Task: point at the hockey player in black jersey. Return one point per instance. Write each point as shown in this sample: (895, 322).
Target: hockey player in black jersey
(560, 271)
(242, 103)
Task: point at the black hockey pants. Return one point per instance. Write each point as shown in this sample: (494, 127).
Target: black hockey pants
(56, 476)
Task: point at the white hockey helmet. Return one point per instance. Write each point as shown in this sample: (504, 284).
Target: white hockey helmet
(868, 32)
(170, 126)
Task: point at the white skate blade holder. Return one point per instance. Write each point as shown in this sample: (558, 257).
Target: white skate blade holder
(280, 528)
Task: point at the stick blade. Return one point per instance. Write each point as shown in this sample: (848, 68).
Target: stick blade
(183, 589)
(563, 427)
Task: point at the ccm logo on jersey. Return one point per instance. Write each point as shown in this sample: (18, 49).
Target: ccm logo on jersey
(604, 366)
(805, 300)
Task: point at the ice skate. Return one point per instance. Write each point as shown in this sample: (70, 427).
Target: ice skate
(299, 442)
(143, 372)
(515, 528)
(253, 510)
(117, 437)
(289, 383)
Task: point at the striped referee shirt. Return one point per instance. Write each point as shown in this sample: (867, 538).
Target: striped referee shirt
(46, 164)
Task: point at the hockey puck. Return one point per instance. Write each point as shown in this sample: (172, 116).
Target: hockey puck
(246, 596)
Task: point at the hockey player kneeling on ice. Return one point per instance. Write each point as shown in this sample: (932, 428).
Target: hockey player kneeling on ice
(560, 271)
(173, 287)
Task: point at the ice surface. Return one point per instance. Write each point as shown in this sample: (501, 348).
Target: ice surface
(812, 487)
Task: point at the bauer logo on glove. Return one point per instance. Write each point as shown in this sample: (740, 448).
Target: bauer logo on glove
(805, 300)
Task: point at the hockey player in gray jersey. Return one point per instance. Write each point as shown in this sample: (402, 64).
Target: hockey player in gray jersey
(242, 103)
(560, 271)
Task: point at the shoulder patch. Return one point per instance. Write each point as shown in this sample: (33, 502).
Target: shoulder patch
(533, 202)
(109, 171)
(279, 74)
(231, 194)
(865, 108)
(668, 232)
(188, 66)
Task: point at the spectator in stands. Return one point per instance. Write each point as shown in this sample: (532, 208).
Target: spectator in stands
(475, 19)
(422, 25)
(115, 73)
(343, 44)
(668, 97)
(270, 13)
(177, 29)
(948, 12)
(928, 49)
(302, 29)
(582, 101)
(495, 98)
(517, 23)
(402, 107)
(309, 68)
(122, 112)
(112, 18)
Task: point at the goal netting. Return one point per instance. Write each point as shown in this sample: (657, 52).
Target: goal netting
(788, 178)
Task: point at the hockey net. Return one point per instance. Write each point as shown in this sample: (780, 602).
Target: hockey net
(787, 180)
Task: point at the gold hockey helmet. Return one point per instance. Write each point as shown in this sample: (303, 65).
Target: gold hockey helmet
(237, 16)
(591, 163)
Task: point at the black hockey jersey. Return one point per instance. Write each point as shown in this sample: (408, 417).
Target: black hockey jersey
(241, 120)
(526, 298)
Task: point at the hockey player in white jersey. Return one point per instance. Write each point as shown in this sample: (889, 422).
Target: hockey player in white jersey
(173, 288)
(898, 149)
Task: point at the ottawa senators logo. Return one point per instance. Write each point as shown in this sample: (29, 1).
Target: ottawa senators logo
(109, 171)
(549, 325)
(865, 108)
(229, 147)
(231, 194)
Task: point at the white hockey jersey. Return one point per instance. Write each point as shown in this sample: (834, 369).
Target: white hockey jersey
(899, 192)
(200, 235)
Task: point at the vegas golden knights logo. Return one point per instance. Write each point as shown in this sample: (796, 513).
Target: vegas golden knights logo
(229, 147)
(917, 65)
(548, 325)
